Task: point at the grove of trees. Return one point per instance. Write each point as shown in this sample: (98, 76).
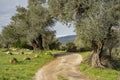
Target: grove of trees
(32, 25)
(96, 22)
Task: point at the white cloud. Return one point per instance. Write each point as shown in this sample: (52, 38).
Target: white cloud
(63, 30)
(8, 9)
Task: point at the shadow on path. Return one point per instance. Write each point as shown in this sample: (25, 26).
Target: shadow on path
(60, 54)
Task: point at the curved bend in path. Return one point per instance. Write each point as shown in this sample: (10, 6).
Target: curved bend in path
(66, 66)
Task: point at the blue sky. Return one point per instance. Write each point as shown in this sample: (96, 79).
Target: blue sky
(8, 9)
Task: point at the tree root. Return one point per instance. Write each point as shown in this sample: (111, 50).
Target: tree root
(94, 61)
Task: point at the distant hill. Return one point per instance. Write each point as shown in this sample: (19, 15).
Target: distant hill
(65, 39)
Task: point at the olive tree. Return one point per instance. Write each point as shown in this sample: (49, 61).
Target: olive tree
(96, 23)
(33, 24)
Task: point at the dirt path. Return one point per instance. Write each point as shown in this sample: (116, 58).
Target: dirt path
(66, 66)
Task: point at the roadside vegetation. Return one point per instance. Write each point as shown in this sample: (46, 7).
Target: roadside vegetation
(97, 73)
(61, 78)
(22, 69)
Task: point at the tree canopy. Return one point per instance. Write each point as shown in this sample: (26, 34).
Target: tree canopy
(32, 24)
(96, 23)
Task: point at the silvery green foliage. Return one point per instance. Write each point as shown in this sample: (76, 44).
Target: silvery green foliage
(97, 21)
(92, 18)
(30, 23)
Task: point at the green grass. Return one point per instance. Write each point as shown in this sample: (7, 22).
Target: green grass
(61, 78)
(23, 70)
(98, 74)
(85, 54)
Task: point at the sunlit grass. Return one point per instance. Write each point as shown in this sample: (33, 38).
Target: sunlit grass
(61, 78)
(24, 69)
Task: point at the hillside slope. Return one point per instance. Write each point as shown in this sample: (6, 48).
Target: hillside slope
(65, 39)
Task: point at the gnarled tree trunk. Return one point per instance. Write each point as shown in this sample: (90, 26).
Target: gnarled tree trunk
(97, 54)
(98, 59)
(37, 43)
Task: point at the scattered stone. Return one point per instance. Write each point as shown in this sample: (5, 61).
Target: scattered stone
(14, 49)
(30, 52)
(75, 75)
(9, 53)
(22, 53)
(27, 58)
(13, 60)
